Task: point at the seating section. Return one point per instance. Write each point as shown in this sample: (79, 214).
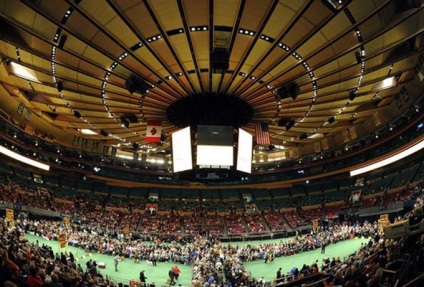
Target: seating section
(255, 224)
(234, 225)
(276, 222)
(219, 212)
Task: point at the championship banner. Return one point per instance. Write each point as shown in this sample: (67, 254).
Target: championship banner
(324, 144)
(384, 221)
(317, 146)
(377, 120)
(315, 225)
(67, 221)
(62, 240)
(10, 215)
(352, 132)
(294, 153)
(346, 137)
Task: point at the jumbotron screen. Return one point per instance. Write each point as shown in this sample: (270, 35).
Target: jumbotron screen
(244, 153)
(181, 150)
(215, 146)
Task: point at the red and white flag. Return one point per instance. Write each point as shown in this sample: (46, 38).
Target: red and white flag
(154, 131)
(262, 133)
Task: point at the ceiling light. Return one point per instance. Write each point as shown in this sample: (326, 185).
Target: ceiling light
(87, 132)
(385, 84)
(23, 159)
(389, 160)
(22, 71)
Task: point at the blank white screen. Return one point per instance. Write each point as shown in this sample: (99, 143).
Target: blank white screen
(215, 155)
(244, 153)
(181, 150)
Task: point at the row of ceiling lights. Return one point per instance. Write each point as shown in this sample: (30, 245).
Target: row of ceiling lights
(205, 28)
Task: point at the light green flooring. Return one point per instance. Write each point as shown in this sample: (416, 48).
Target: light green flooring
(128, 270)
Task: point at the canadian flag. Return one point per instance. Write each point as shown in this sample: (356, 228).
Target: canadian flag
(153, 132)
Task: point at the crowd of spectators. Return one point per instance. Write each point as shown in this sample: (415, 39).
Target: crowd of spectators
(213, 261)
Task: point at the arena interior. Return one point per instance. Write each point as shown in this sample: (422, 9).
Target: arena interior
(211, 143)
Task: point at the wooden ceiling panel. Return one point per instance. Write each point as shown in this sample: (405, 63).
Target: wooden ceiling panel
(196, 12)
(253, 13)
(225, 12)
(99, 32)
(167, 12)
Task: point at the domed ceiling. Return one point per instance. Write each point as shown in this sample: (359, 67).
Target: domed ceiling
(311, 70)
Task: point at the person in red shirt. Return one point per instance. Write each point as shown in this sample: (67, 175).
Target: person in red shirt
(33, 280)
(176, 271)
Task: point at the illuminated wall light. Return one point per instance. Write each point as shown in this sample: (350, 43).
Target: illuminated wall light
(394, 158)
(23, 159)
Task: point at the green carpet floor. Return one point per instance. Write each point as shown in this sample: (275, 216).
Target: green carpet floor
(128, 270)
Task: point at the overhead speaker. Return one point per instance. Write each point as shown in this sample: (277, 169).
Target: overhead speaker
(289, 91)
(331, 120)
(352, 95)
(30, 95)
(303, 136)
(283, 122)
(290, 124)
(77, 114)
(104, 133)
(131, 118)
(220, 59)
(135, 84)
(62, 41)
(59, 86)
(358, 57)
(135, 145)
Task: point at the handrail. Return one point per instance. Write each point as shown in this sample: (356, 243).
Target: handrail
(415, 280)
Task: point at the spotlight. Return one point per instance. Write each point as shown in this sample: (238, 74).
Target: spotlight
(77, 114)
(96, 169)
(331, 120)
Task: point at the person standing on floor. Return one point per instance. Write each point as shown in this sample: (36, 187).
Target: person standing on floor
(116, 261)
(143, 278)
(279, 273)
(177, 272)
(323, 248)
(171, 276)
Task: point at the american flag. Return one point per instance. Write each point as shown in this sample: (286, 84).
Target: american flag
(262, 133)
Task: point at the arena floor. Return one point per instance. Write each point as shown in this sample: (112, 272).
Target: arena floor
(128, 270)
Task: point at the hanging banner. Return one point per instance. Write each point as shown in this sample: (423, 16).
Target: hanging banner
(317, 146)
(324, 144)
(10, 215)
(376, 117)
(67, 220)
(346, 137)
(62, 240)
(352, 132)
